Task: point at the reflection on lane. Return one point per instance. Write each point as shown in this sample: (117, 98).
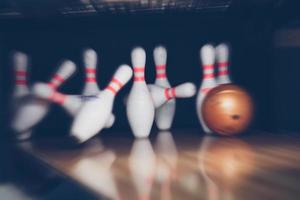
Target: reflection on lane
(166, 164)
(142, 167)
(225, 164)
(181, 166)
(95, 172)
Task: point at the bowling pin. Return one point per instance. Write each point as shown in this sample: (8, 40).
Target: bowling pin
(207, 55)
(222, 56)
(71, 103)
(161, 95)
(140, 107)
(164, 115)
(33, 110)
(90, 66)
(95, 114)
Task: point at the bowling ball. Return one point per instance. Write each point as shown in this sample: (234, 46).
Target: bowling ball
(227, 109)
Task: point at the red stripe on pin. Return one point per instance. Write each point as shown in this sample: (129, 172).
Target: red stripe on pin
(52, 85)
(21, 82)
(167, 94)
(205, 90)
(90, 70)
(112, 89)
(160, 67)
(90, 79)
(223, 64)
(173, 92)
(58, 98)
(139, 78)
(206, 76)
(138, 69)
(21, 73)
(58, 78)
(161, 76)
(116, 81)
(223, 73)
(208, 67)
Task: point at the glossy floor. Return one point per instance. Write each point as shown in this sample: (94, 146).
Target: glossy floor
(179, 166)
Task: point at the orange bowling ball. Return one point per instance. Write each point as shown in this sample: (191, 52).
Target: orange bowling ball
(227, 109)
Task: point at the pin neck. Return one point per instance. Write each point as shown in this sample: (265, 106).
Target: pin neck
(21, 82)
(21, 78)
(160, 71)
(170, 93)
(223, 64)
(90, 74)
(223, 73)
(114, 86)
(139, 74)
(208, 72)
(223, 69)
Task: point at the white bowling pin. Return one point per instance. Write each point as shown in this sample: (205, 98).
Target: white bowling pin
(140, 107)
(33, 110)
(161, 95)
(95, 114)
(164, 115)
(20, 64)
(142, 163)
(90, 66)
(222, 56)
(207, 55)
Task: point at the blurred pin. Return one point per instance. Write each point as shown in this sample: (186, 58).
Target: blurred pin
(33, 110)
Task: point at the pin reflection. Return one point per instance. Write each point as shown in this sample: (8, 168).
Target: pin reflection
(225, 163)
(166, 163)
(142, 167)
(95, 171)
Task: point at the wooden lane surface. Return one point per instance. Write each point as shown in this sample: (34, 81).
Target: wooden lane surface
(179, 166)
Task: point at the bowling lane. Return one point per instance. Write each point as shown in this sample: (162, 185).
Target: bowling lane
(178, 165)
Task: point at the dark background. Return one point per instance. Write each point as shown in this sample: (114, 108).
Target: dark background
(270, 74)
